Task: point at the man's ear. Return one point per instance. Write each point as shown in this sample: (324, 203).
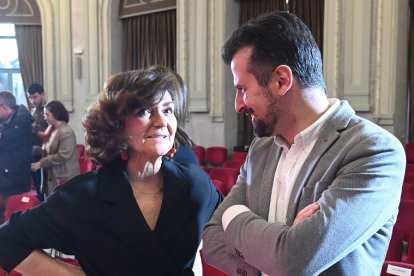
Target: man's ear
(283, 79)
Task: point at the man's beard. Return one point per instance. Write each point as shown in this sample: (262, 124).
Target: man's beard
(265, 127)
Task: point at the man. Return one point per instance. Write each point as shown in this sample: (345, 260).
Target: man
(319, 191)
(15, 146)
(36, 95)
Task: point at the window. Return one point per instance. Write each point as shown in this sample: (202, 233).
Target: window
(10, 76)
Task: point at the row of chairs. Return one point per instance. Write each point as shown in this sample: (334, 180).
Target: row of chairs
(400, 254)
(216, 156)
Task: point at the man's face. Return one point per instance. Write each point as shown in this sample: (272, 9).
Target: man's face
(37, 99)
(4, 114)
(256, 101)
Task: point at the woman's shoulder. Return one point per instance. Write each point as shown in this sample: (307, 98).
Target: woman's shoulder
(187, 171)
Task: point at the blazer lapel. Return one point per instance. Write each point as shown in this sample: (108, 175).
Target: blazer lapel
(176, 206)
(267, 180)
(329, 134)
(125, 219)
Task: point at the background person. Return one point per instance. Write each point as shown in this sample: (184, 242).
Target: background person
(141, 213)
(320, 188)
(61, 160)
(37, 98)
(15, 147)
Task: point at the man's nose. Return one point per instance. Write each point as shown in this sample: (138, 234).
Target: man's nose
(239, 104)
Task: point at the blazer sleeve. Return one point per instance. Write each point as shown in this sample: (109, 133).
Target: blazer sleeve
(214, 239)
(66, 146)
(362, 196)
(38, 228)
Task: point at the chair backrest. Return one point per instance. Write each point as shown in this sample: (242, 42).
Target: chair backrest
(396, 268)
(409, 178)
(86, 165)
(239, 155)
(407, 192)
(81, 150)
(20, 202)
(220, 186)
(394, 252)
(216, 156)
(209, 270)
(409, 152)
(226, 175)
(405, 221)
(200, 152)
(234, 164)
(410, 250)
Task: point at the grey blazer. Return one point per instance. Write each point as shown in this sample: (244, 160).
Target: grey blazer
(355, 172)
(61, 160)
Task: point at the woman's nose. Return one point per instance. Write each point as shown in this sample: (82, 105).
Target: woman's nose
(159, 119)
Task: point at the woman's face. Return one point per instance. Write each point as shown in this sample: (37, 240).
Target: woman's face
(152, 130)
(50, 119)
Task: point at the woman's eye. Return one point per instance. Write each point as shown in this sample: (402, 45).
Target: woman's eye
(143, 112)
(169, 110)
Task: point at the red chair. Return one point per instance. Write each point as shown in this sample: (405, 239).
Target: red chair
(86, 165)
(239, 155)
(215, 156)
(405, 221)
(410, 250)
(394, 252)
(12, 273)
(20, 202)
(200, 152)
(220, 186)
(409, 178)
(409, 152)
(233, 164)
(81, 150)
(407, 192)
(226, 175)
(209, 270)
(396, 268)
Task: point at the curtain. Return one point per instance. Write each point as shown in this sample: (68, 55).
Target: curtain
(411, 72)
(29, 46)
(310, 11)
(150, 39)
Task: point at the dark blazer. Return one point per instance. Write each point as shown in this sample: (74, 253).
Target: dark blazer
(95, 217)
(16, 153)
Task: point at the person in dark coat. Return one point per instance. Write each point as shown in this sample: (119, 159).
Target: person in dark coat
(15, 146)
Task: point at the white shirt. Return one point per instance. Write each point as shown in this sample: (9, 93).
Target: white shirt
(287, 170)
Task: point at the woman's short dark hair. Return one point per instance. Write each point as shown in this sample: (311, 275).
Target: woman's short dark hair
(58, 111)
(278, 38)
(123, 94)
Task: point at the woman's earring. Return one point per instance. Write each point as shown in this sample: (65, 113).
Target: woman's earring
(124, 155)
(172, 152)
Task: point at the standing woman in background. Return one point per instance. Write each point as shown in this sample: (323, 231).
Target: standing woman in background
(61, 159)
(140, 213)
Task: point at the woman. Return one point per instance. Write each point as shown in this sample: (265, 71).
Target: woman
(183, 147)
(61, 160)
(141, 213)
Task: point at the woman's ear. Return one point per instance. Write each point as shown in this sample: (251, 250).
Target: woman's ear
(283, 79)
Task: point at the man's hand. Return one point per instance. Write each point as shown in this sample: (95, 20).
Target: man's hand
(306, 212)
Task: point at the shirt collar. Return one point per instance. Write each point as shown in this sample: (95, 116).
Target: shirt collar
(309, 134)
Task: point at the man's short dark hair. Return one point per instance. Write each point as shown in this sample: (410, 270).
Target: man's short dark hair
(7, 98)
(35, 88)
(278, 38)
